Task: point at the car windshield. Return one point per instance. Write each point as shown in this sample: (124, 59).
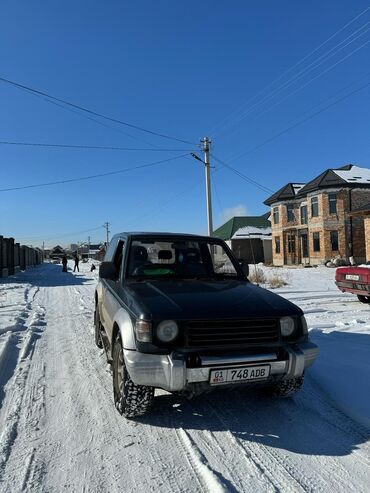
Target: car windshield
(185, 259)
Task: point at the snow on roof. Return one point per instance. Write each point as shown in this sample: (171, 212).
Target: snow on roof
(253, 232)
(354, 175)
(297, 187)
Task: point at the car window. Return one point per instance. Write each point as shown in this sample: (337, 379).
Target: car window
(180, 259)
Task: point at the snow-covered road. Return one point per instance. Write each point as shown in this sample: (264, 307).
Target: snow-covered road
(59, 430)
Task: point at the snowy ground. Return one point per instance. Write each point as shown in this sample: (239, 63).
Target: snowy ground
(59, 430)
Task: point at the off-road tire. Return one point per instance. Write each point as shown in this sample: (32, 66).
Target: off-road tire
(286, 388)
(363, 299)
(97, 323)
(131, 400)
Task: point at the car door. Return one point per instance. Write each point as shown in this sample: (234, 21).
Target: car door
(111, 295)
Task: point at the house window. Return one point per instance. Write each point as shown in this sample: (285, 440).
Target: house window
(316, 242)
(290, 212)
(291, 244)
(332, 203)
(304, 214)
(334, 240)
(277, 244)
(314, 207)
(276, 215)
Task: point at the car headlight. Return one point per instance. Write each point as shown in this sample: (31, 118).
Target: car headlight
(143, 331)
(167, 330)
(287, 326)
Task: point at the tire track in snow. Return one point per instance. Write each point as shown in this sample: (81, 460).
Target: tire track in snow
(281, 475)
(198, 462)
(172, 476)
(14, 397)
(99, 416)
(334, 472)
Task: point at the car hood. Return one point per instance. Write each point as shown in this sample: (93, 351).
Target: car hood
(204, 299)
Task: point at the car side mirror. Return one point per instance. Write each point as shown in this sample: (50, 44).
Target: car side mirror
(108, 271)
(244, 266)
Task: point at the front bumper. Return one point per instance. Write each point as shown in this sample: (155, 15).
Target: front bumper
(169, 372)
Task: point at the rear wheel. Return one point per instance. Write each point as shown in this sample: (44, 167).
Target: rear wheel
(363, 299)
(286, 388)
(130, 399)
(97, 323)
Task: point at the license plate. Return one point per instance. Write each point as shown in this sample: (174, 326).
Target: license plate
(352, 277)
(235, 375)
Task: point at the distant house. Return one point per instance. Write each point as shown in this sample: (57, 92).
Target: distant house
(56, 253)
(315, 222)
(249, 237)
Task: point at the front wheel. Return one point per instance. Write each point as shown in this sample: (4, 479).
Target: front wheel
(130, 399)
(286, 388)
(363, 299)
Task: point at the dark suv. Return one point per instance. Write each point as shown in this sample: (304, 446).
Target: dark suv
(177, 312)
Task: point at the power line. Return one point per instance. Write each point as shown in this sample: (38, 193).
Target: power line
(242, 175)
(347, 86)
(71, 146)
(298, 76)
(106, 125)
(44, 237)
(95, 113)
(70, 180)
(311, 80)
(240, 109)
(300, 122)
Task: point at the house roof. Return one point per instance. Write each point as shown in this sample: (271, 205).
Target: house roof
(227, 230)
(347, 176)
(354, 174)
(288, 191)
(57, 249)
(249, 232)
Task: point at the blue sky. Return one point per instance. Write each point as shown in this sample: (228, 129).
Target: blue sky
(178, 68)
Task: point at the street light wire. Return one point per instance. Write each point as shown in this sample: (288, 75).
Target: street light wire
(110, 173)
(87, 110)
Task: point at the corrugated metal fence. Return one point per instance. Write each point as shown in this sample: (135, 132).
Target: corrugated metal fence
(15, 257)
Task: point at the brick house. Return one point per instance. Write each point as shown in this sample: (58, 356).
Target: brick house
(316, 221)
(364, 212)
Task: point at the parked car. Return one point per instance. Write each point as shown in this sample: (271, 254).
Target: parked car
(354, 280)
(176, 312)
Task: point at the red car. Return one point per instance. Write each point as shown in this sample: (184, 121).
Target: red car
(354, 280)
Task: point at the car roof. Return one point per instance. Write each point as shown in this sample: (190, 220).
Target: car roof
(163, 235)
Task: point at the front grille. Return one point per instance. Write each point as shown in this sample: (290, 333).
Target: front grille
(231, 332)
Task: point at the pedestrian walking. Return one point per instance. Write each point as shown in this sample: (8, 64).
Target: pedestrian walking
(76, 263)
(64, 263)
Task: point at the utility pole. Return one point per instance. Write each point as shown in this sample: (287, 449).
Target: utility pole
(206, 145)
(88, 251)
(106, 226)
